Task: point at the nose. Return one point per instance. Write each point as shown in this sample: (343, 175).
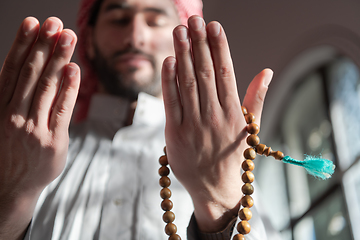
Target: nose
(138, 32)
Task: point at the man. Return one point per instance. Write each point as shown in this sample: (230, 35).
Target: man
(104, 186)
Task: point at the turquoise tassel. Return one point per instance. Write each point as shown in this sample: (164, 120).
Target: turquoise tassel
(318, 167)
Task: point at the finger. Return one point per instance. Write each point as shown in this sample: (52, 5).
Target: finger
(49, 82)
(186, 75)
(172, 102)
(256, 92)
(20, 49)
(34, 65)
(204, 67)
(64, 104)
(224, 70)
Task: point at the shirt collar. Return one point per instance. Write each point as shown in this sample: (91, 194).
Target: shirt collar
(149, 110)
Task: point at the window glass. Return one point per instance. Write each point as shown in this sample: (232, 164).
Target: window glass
(351, 184)
(326, 222)
(344, 93)
(343, 84)
(270, 175)
(306, 129)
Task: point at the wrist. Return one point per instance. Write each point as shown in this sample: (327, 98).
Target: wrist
(16, 211)
(214, 216)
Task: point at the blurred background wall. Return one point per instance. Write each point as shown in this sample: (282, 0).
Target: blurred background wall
(313, 103)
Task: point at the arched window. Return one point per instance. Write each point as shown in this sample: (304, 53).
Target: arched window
(318, 114)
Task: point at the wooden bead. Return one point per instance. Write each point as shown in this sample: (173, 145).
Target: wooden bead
(165, 193)
(253, 128)
(164, 171)
(164, 150)
(239, 237)
(245, 214)
(260, 149)
(244, 110)
(165, 182)
(247, 201)
(168, 217)
(170, 229)
(248, 165)
(267, 151)
(248, 177)
(163, 160)
(249, 118)
(253, 140)
(250, 153)
(247, 189)
(243, 227)
(278, 155)
(167, 205)
(174, 237)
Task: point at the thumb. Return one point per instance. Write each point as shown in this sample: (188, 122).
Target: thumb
(256, 92)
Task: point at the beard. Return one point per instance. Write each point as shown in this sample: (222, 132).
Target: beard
(121, 84)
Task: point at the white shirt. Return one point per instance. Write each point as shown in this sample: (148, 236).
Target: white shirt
(110, 188)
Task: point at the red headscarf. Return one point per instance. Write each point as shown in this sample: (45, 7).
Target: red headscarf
(89, 82)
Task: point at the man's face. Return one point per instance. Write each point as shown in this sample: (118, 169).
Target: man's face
(129, 42)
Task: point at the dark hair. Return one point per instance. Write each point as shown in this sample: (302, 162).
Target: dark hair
(94, 12)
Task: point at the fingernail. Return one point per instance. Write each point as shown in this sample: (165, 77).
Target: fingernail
(170, 63)
(197, 23)
(182, 34)
(268, 77)
(71, 71)
(65, 39)
(214, 30)
(29, 26)
(52, 27)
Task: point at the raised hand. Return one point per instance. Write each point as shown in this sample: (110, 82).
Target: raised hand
(38, 89)
(205, 127)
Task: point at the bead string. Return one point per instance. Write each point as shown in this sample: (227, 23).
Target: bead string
(167, 204)
(247, 177)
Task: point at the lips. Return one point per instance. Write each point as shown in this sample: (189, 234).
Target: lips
(133, 59)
